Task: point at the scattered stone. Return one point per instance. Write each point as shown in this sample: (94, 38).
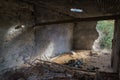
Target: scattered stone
(21, 79)
(75, 63)
(93, 53)
(78, 63)
(106, 53)
(91, 68)
(44, 70)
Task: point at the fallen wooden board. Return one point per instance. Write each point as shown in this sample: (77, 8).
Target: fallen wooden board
(44, 70)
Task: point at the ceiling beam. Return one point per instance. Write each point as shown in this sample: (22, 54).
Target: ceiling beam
(112, 17)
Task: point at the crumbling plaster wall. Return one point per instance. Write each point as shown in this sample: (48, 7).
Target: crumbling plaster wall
(85, 34)
(19, 42)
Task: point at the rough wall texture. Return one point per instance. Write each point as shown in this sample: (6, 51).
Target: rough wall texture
(116, 47)
(20, 43)
(53, 40)
(16, 39)
(84, 35)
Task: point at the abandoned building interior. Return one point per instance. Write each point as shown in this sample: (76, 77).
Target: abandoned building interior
(56, 40)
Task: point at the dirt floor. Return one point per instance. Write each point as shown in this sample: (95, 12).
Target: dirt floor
(45, 70)
(101, 60)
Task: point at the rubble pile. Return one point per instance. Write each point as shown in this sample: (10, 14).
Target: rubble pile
(107, 76)
(79, 63)
(44, 70)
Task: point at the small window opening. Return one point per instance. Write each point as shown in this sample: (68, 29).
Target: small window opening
(76, 10)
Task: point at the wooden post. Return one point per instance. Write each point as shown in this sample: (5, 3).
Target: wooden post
(116, 47)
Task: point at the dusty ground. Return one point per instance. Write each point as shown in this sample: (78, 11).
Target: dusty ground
(45, 70)
(97, 59)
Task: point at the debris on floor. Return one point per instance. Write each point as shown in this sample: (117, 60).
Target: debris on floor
(78, 63)
(82, 65)
(107, 76)
(89, 59)
(44, 70)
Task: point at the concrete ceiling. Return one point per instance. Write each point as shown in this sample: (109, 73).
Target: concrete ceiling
(91, 8)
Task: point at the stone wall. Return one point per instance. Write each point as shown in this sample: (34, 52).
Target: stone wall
(16, 38)
(53, 40)
(84, 35)
(19, 42)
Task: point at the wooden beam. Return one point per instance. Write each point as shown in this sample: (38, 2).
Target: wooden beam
(112, 17)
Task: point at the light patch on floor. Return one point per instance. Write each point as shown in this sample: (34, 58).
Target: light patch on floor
(97, 59)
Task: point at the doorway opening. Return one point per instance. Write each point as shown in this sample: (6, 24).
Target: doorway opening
(103, 44)
(105, 30)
